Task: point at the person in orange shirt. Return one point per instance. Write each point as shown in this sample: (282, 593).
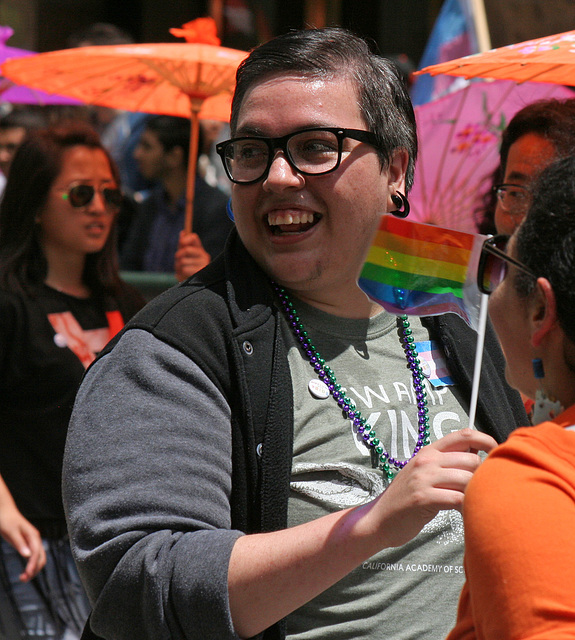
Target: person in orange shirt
(519, 509)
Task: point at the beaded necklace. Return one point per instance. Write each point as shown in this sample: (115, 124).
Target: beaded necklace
(380, 458)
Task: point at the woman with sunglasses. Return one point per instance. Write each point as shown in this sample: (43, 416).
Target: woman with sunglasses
(61, 300)
(520, 505)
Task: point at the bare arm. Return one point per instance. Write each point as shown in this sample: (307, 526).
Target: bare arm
(22, 535)
(272, 574)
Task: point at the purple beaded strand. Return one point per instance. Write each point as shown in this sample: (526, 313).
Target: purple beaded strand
(390, 466)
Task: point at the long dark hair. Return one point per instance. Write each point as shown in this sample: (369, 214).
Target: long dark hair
(35, 167)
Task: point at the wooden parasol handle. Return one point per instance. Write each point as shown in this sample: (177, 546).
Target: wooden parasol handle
(192, 164)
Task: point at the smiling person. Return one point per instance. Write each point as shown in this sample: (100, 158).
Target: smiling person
(61, 300)
(256, 473)
(520, 507)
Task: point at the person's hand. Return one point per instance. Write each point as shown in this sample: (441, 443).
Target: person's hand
(190, 256)
(25, 538)
(432, 481)
(282, 570)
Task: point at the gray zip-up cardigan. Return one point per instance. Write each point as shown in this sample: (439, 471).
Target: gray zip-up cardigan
(150, 419)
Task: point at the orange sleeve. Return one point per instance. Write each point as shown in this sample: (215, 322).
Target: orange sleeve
(519, 541)
(464, 628)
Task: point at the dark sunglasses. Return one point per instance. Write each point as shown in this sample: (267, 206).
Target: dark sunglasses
(494, 264)
(80, 195)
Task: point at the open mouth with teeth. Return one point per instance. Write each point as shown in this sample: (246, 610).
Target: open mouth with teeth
(290, 223)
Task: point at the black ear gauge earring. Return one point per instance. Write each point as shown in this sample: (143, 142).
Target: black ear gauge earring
(400, 201)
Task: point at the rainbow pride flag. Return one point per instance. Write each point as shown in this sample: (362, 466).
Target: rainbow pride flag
(423, 270)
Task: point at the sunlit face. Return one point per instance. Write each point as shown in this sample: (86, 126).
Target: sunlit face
(66, 230)
(10, 139)
(509, 315)
(310, 232)
(150, 156)
(527, 157)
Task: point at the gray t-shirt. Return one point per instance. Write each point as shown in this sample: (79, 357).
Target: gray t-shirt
(409, 592)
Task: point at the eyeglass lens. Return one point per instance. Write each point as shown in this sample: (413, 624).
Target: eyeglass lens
(81, 195)
(513, 198)
(311, 152)
(493, 268)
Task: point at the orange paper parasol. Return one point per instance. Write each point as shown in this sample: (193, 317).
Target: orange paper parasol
(193, 79)
(549, 59)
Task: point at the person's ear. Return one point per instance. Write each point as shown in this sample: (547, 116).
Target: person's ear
(398, 169)
(396, 175)
(543, 311)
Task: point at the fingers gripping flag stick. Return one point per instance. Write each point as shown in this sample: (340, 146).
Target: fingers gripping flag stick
(424, 270)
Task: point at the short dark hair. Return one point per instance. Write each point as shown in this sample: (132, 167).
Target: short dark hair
(334, 52)
(28, 119)
(545, 240)
(551, 119)
(172, 132)
(36, 165)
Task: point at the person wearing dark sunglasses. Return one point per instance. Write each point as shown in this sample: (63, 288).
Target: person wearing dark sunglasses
(81, 195)
(61, 300)
(494, 264)
(520, 505)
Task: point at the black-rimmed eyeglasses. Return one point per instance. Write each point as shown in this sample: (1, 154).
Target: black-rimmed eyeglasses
(513, 198)
(494, 263)
(312, 152)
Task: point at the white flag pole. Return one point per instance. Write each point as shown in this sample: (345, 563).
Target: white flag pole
(478, 357)
(481, 25)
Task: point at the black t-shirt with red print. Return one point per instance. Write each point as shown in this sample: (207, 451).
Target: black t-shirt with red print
(46, 342)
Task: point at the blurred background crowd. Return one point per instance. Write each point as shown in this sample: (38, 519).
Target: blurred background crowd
(94, 204)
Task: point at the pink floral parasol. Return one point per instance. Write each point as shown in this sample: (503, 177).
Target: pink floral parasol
(459, 137)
